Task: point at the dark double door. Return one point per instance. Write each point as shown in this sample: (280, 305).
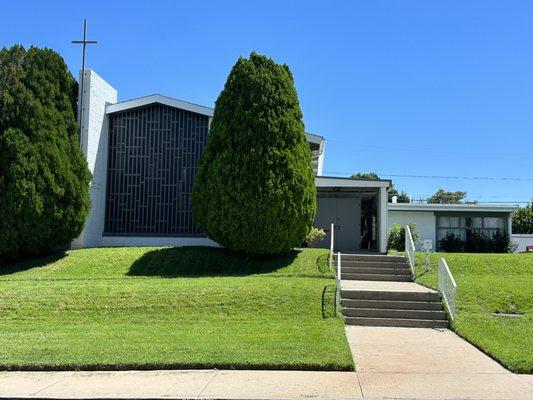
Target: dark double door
(345, 212)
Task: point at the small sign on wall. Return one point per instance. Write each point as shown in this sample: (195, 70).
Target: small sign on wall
(427, 245)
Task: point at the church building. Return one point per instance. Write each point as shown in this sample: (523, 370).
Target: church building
(143, 154)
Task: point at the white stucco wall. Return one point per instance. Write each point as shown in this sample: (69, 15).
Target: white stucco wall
(94, 141)
(522, 241)
(320, 168)
(111, 241)
(425, 224)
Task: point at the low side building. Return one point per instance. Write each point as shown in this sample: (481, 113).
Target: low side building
(434, 221)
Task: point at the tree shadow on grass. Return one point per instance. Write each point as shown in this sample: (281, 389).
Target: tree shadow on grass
(11, 268)
(205, 261)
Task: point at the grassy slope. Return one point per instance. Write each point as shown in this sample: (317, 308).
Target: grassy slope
(490, 283)
(169, 308)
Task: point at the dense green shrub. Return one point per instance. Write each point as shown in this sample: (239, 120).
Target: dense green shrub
(477, 242)
(254, 191)
(43, 175)
(314, 236)
(523, 220)
(451, 243)
(501, 243)
(397, 236)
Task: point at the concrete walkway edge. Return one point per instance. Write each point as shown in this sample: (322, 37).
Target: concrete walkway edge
(180, 384)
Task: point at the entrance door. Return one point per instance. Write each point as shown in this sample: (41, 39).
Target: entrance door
(348, 224)
(345, 213)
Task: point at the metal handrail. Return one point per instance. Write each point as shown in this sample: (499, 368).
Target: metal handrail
(338, 285)
(410, 248)
(331, 245)
(447, 287)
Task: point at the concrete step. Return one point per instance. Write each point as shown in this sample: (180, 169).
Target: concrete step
(398, 322)
(391, 304)
(395, 314)
(376, 277)
(374, 264)
(389, 295)
(378, 270)
(371, 258)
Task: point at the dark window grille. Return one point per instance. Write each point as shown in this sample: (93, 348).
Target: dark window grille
(153, 158)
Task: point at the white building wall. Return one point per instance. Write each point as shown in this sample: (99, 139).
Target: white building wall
(383, 217)
(522, 240)
(111, 241)
(320, 168)
(425, 224)
(94, 141)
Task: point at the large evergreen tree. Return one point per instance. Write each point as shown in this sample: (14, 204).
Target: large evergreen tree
(43, 176)
(254, 191)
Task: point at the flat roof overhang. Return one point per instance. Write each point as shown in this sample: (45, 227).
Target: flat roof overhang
(312, 138)
(339, 182)
(503, 208)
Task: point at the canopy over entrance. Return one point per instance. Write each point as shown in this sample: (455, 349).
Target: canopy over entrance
(358, 210)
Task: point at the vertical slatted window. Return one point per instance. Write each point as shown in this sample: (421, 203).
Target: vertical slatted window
(152, 161)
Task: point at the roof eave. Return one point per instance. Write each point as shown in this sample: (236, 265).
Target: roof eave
(507, 208)
(158, 99)
(334, 181)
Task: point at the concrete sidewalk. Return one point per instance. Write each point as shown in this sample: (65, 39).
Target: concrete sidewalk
(424, 363)
(399, 363)
(185, 384)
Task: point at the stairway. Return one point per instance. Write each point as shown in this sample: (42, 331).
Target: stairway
(365, 267)
(377, 290)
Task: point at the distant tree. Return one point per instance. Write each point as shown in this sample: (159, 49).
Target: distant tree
(444, 197)
(372, 176)
(254, 191)
(44, 180)
(402, 196)
(523, 219)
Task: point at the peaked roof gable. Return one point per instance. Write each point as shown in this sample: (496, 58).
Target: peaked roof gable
(158, 99)
(182, 105)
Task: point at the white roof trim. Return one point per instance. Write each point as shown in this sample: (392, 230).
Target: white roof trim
(157, 98)
(507, 208)
(183, 105)
(331, 181)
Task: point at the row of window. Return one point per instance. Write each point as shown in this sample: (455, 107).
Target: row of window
(461, 225)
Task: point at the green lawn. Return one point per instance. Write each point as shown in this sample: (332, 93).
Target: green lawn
(490, 283)
(123, 308)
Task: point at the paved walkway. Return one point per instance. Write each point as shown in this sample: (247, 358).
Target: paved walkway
(190, 384)
(384, 286)
(424, 363)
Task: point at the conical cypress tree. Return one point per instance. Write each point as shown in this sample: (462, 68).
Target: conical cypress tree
(44, 192)
(254, 191)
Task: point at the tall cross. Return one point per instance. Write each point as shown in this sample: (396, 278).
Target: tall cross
(83, 42)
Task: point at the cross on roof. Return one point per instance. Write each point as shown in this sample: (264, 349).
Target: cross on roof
(83, 42)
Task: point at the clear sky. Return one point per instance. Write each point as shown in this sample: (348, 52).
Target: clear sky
(440, 88)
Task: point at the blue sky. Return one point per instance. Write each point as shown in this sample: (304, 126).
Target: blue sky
(421, 88)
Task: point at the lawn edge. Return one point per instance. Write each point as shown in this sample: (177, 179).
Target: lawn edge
(175, 366)
(453, 328)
